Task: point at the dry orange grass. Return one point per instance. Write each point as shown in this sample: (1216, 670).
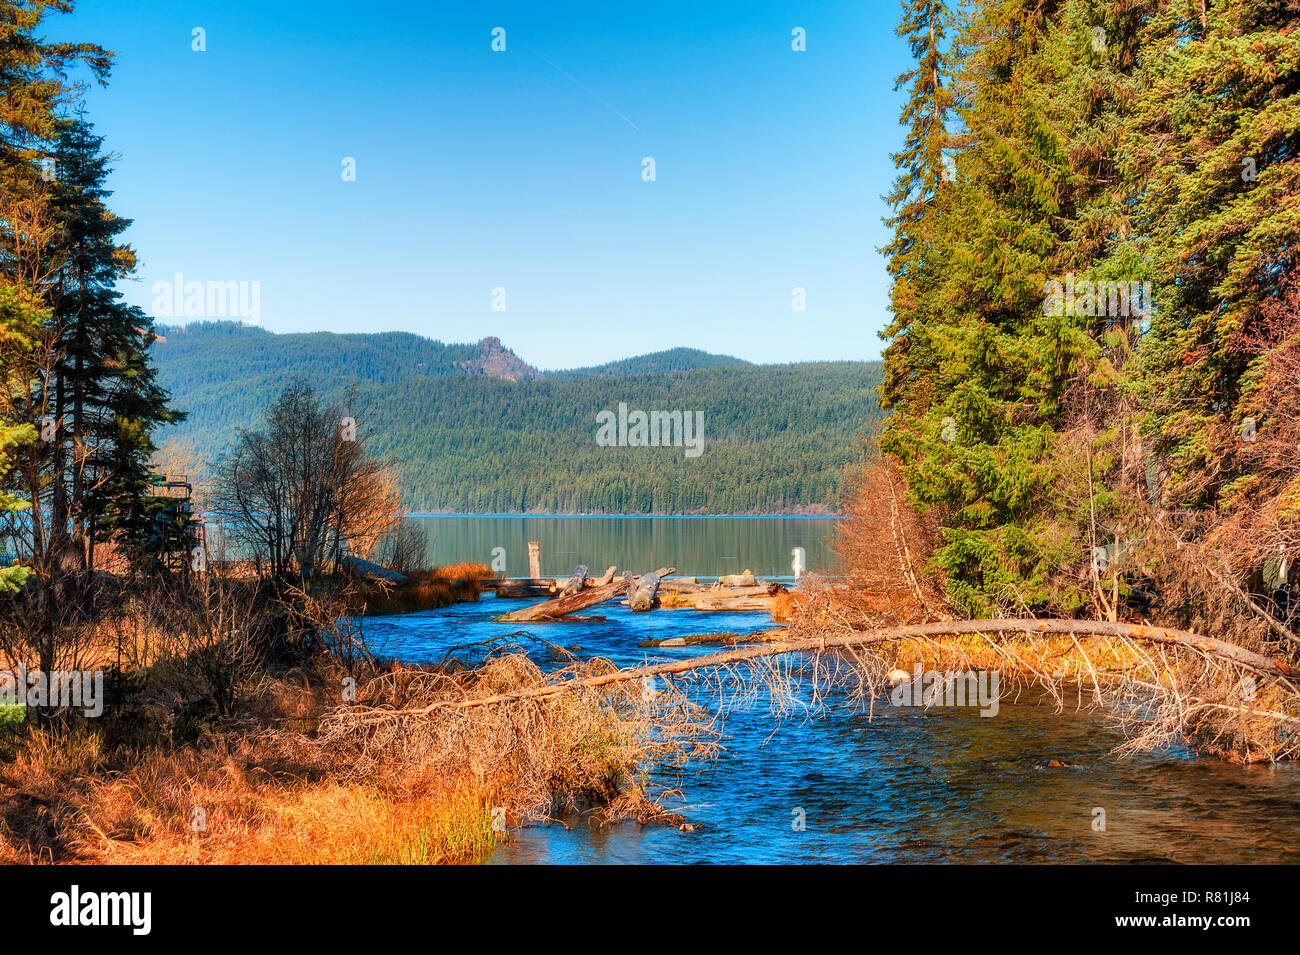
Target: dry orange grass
(299, 777)
(249, 818)
(463, 571)
(222, 807)
(427, 590)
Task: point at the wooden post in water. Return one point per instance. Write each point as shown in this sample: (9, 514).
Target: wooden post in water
(534, 559)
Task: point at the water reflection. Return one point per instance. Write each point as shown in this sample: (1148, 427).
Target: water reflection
(703, 546)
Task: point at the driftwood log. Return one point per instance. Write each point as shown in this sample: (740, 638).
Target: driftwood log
(526, 587)
(745, 579)
(759, 597)
(368, 570)
(681, 583)
(737, 602)
(696, 639)
(576, 582)
(644, 594)
(544, 586)
(564, 605)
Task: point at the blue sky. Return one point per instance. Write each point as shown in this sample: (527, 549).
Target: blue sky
(478, 170)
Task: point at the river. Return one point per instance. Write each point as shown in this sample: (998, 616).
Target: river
(899, 785)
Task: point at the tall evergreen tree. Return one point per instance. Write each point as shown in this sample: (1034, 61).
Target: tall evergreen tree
(979, 373)
(33, 85)
(20, 323)
(106, 402)
(921, 161)
(1216, 145)
(923, 169)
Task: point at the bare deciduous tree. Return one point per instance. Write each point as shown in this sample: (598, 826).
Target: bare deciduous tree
(302, 492)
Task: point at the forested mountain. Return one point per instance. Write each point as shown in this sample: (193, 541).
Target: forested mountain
(777, 437)
(675, 359)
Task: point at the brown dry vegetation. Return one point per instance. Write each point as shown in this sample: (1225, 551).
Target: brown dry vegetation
(379, 599)
(238, 733)
(295, 782)
(883, 545)
(425, 590)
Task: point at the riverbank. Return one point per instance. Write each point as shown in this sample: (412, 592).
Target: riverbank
(238, 726)
(299, 775)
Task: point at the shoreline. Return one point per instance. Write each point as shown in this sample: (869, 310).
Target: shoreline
(723, 517)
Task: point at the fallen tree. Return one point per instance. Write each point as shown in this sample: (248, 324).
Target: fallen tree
(643, 594)
(1161, 636)
(1162, 685)
(566, 604)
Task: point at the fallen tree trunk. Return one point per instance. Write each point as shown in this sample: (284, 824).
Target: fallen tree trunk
(695, 639)
(713, 602)
(563, 605)
(1098, 628)
(643, 595)
(758, 597)
(745, 579)
(526, 587)
(758, 590)
(679, 585)
(576, 582)
(366, 569)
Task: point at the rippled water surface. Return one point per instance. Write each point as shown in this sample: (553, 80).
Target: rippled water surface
(903, 786)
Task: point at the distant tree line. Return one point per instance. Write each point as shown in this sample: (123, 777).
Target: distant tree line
(778, 437)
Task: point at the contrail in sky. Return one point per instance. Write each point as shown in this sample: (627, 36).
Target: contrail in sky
(591, 93)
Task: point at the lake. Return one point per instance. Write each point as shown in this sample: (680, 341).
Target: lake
(898, 785)
(695, 546)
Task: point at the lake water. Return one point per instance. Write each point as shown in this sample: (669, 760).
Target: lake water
(696, 546)
(900, 785)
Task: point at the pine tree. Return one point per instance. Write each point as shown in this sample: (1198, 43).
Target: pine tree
(979, 373)
(20, 323)
(923, 170)
(1216, 144)
(107, 403)
(921, 161)
(32, 85)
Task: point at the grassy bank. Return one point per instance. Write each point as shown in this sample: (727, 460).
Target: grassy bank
(424, 590)
(298, 777)
(239, 729)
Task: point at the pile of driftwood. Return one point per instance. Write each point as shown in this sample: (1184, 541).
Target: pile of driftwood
(578, 592)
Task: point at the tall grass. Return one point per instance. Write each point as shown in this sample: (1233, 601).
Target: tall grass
(425, 590)
(297, 773)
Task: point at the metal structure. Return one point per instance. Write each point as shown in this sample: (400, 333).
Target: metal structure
(177, 537)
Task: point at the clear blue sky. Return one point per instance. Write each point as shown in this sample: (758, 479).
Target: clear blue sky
(477, 170)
